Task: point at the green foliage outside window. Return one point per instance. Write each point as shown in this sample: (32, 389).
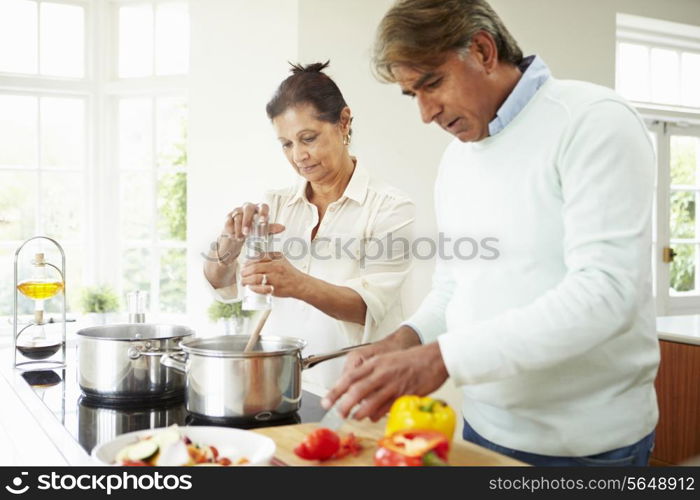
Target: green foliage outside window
(172, 225)
(683, 168)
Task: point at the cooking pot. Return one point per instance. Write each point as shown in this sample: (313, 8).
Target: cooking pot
(122, 362)
(225, 382)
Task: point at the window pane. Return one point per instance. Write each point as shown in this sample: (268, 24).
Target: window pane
(683, 268)
(18, 130)
(684, 160)
(135, 207)
(172, 38)
(690, 79)
(136, 270)
(62, 40)
(17, 205)
(665, 74)
(171, 130)
(62, 198)
(683, 214)
(7, 277)
(633, 75)
(135, 133)
(75, 265)
(62, 132)
(173, 280)
(172, 206)
(18, 29)
(135, 41)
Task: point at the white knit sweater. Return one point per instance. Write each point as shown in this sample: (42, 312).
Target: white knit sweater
(554, 340)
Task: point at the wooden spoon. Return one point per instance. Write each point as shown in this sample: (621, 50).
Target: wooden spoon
(256, 333)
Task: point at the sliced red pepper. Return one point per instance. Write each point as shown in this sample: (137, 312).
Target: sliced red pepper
(320, 444)
(349, 445)
(412, 448)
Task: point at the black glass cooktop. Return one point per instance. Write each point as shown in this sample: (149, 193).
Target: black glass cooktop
(91, 421)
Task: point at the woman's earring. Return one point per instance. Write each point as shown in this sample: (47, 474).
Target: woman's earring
(346, 139)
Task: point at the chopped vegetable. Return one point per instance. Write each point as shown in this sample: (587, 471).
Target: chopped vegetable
(325, 444)
(143, 450)
(413, 448)
(169, 447)
(349, 445)
(319, 444)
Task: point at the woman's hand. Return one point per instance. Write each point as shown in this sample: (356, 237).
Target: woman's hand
(237, 226)
(274, 274)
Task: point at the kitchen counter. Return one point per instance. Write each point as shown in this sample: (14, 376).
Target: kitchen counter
(55, 426)
(681, 329)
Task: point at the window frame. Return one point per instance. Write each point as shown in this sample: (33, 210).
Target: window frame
(113, 89)
(663, 120)
(42, 86)
(666, 302)
(101, 88)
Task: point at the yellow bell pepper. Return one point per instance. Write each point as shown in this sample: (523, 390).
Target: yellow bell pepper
(418, 413)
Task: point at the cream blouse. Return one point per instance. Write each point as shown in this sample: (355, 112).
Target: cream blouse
(363, 243)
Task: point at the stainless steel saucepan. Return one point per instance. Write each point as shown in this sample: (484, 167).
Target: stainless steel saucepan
(223, 381)
(122, 362)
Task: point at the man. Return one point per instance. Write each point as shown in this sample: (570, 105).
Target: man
(553, 343)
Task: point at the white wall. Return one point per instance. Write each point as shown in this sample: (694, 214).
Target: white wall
(577, 38)
(388, 135)
(238, 55)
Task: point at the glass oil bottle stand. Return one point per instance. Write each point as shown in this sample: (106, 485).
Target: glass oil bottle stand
(41, 351)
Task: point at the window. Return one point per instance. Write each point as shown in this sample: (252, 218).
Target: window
(44, 149)
(150, 105)
(93, 142)
(658, 62)
(658, 68)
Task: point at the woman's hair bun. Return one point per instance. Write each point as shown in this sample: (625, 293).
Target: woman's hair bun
(309, 68)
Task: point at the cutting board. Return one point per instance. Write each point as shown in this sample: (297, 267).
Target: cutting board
(287, 437)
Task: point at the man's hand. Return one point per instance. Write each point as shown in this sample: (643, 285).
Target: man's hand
(376, 375)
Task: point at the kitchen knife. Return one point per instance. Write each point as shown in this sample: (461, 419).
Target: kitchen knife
(332, 419)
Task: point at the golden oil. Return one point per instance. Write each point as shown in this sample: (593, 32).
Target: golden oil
(39, 290)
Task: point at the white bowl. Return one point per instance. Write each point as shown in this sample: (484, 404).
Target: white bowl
(230, 442)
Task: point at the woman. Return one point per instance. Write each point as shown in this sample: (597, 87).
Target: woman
(345, 236)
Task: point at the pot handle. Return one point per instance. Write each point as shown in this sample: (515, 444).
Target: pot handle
(314, 359)
(136, 351)
(174, 360)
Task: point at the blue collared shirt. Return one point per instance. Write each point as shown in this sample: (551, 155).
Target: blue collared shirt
(535, 73)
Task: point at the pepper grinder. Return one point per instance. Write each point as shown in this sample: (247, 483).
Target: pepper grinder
(256, 248)
(136, 303)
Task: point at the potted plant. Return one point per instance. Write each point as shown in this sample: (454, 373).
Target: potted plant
(96, 302)
(233, 317)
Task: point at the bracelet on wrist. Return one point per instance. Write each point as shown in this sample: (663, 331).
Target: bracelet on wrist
(219, 259)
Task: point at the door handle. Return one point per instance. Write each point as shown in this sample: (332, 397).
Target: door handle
(668, 255)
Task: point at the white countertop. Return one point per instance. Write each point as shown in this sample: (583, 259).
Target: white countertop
(30, 434)
(683, 329)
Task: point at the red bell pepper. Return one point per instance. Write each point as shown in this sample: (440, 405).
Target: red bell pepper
(412, 448)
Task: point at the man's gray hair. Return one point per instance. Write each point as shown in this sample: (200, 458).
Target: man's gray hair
(421, 33)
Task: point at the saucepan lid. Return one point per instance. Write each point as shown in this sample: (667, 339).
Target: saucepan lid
(136, 331)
